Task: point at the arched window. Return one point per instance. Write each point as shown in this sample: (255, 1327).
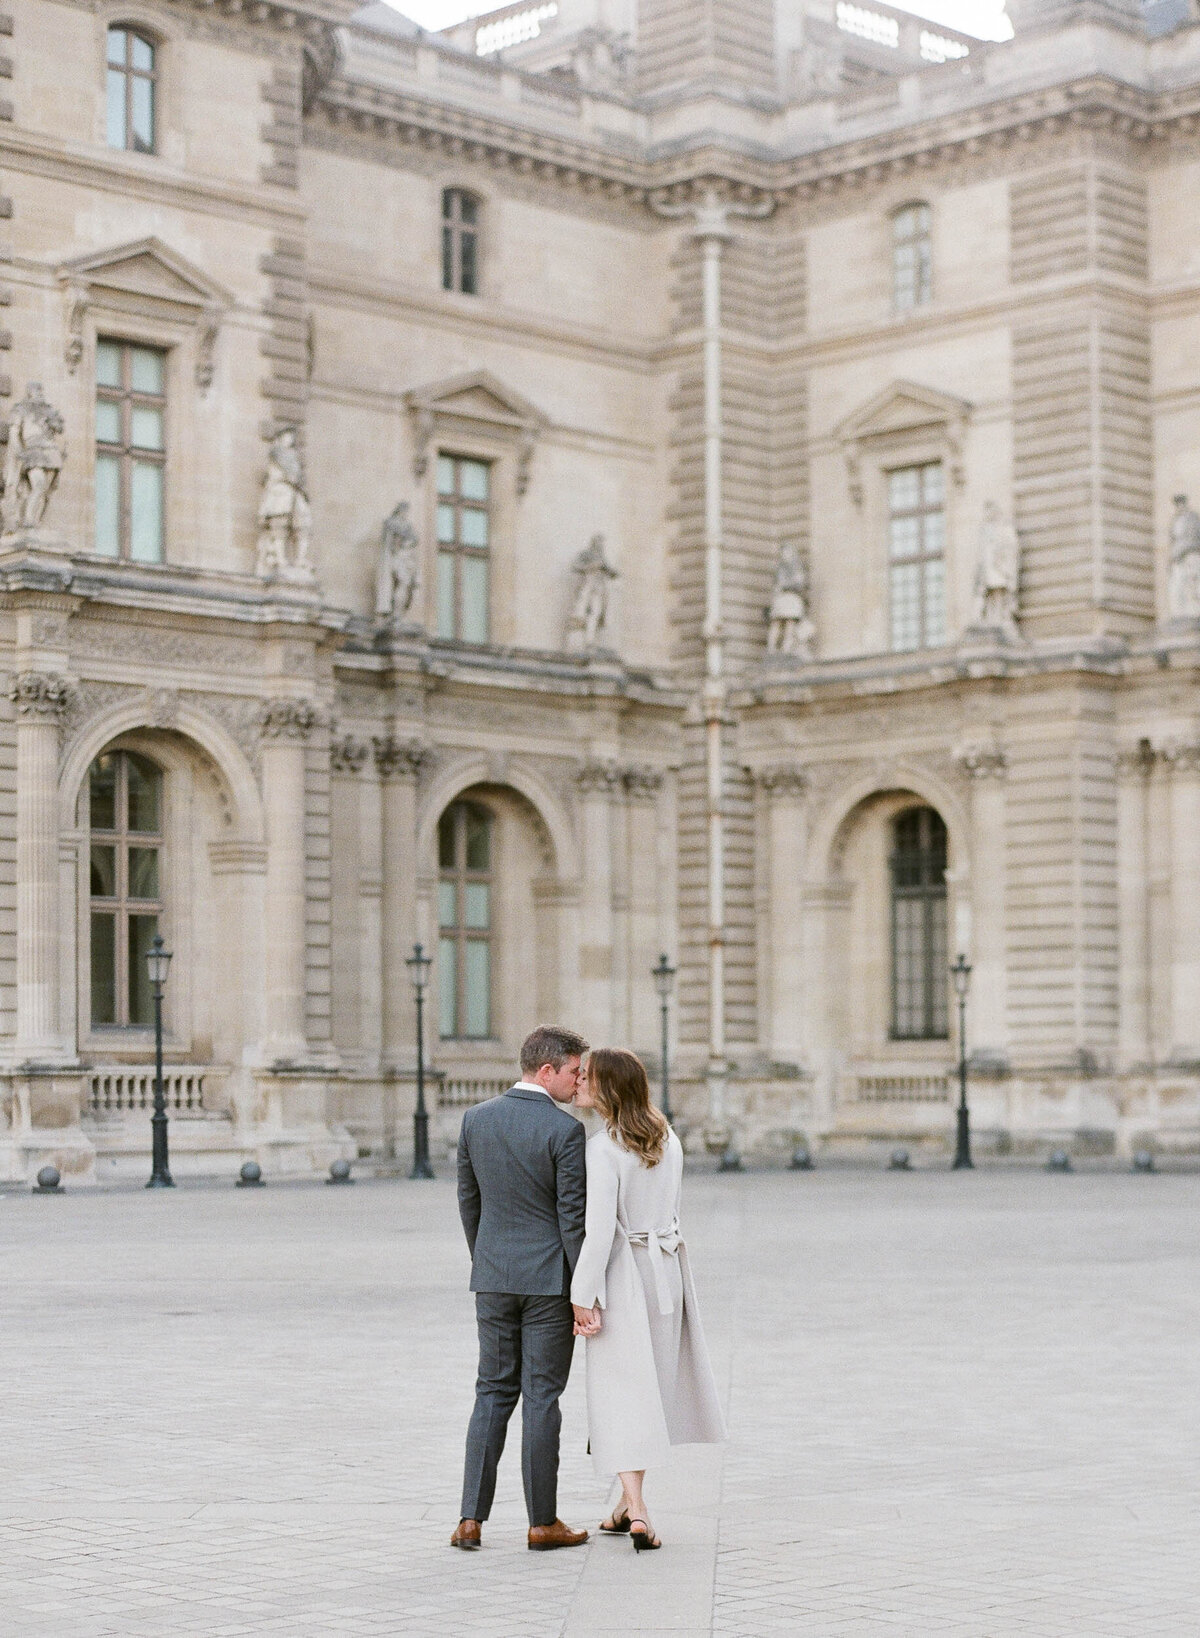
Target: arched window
(919, 943)
(125, 806)
(465, 922)
(131, 91)
(912, 264)
(460, 241)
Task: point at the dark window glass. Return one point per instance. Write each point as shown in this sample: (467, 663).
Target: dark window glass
(465, 922)
(125, 810)
(460, 241)
(919, 934)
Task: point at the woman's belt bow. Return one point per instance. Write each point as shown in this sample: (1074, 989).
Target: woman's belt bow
(661, 1244)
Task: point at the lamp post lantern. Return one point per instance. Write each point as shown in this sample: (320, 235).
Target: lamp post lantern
(961, 973)
(158, 960)
(664, 979)
(418, 965)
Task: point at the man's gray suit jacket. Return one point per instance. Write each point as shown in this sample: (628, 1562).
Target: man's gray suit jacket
(522, 1194)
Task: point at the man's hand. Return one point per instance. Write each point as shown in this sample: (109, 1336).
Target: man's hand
(587, 1321)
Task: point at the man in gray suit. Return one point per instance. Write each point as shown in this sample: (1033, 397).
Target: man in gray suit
(522, 1189)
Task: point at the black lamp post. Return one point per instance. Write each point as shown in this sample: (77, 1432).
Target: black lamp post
(158, 960)
(961, 973)
(664, 979)
(418, 965)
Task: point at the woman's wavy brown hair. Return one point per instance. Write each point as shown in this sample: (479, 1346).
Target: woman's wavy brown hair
(622, 1096)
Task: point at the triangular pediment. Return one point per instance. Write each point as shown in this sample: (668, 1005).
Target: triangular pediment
(903, 407)
(148, 269)
(476, 396)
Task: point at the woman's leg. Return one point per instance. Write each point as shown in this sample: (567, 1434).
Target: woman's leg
(631, 1483)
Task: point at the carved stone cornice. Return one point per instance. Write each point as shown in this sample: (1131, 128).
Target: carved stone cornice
(347, 754)
(40, 694)
(982, 761)
(399, 758)
(287, 718)
(597, 778)
(781, 779)
(642, 783)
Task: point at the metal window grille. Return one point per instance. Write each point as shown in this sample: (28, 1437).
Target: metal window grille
(919, 936)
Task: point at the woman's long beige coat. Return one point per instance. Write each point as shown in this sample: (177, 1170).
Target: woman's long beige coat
(649, 1381)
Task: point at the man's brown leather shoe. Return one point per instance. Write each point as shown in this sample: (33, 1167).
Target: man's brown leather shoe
(542, 1537)
(468, 1535)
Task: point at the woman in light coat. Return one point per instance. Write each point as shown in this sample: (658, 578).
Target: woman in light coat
(649, 1381)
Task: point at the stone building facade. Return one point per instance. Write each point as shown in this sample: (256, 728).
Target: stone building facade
(610, 479)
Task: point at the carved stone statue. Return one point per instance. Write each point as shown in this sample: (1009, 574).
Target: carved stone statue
(398, 575)
(790, 632)
(997, 573)
(587, 621)
(1183, 582)
(34, 457)
(284, 515)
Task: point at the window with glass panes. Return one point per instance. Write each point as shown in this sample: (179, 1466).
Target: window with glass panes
(131, 450)
(125, 805)
(463, 536)
(131, 91)
(465, 922)
(912, 258)
(919, 941)
(916, 555)
(460, 241)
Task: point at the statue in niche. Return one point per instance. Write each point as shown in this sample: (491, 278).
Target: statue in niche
(587, 622)
(284, 515)
(1183, 582)
(997, 573)
(398, 576)
(790, 632)
(34, 458)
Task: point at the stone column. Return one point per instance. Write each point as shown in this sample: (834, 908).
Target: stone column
(287, 724)
(642, 786)
(782, 789)
(597, 783)
(985, 933)
(40, 699)
(1134, 768)
(1184, 763)
(398, 762)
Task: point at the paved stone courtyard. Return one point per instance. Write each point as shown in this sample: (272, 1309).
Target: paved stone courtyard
(960, 1405)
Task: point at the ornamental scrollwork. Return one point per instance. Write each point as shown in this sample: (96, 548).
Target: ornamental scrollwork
(40, 694)
(400, 758)
(597, 777)
(287, 718)
(348, 754)
(782, 779)
(982, 761)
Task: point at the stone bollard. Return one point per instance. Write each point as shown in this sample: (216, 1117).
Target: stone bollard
(339, 1172)
(1059, 1161)
(731, 1160)
(898, 1161)
(49, 1181)
(1143, 1161)
(802, 1160)
(250, 1176)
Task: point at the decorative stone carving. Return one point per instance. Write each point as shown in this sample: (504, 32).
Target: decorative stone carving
(40, 694)
(400, 758)
(1183, 582)
(34, 458)
(161, 707)
(980, 761)
(1182, 756)
(397, 577)
(1136, 761)
(287, 718)
(588, 619)
(347, 754)
(642, 782)
(790, 631)
(597, 777)
(782, 779)
(284, 515)
(997, 572)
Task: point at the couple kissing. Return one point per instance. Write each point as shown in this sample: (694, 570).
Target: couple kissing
(571, 1236)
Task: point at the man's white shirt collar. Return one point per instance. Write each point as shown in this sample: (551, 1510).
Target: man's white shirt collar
(531, 1086)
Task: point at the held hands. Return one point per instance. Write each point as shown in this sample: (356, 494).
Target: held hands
(587, 1321)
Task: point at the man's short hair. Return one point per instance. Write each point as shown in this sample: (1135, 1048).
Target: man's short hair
(550, 1044)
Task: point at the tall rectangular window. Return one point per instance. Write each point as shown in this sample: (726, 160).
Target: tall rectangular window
(131, 451)
(916, 554)
(912, 258)
(129, 120)
(463, 535)
(919, 941)
(460, 241)
(125, 814)
(465, 922)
